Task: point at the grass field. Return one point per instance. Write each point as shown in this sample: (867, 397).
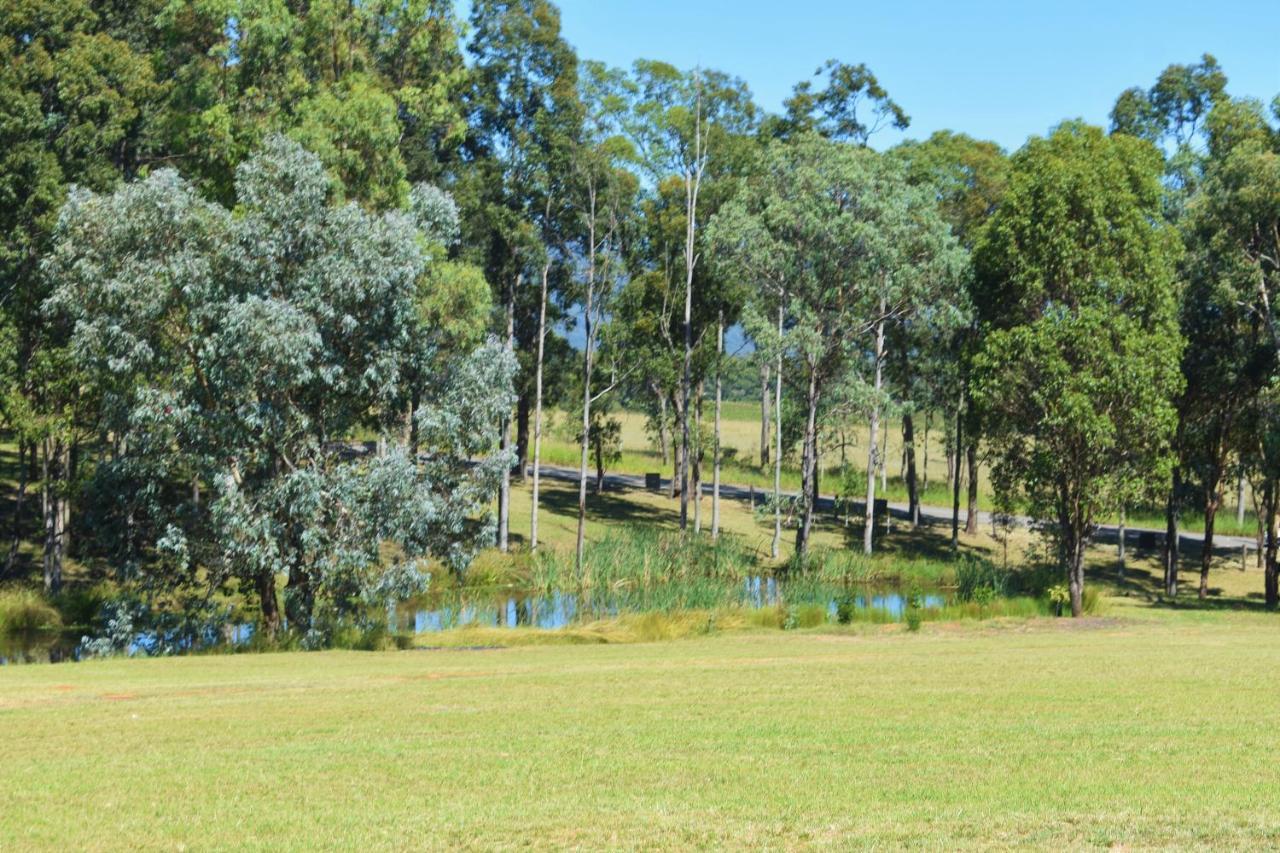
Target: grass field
(1136, 729)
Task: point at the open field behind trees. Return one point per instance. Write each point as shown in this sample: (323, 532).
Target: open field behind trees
(741, 438)
(1133, 730)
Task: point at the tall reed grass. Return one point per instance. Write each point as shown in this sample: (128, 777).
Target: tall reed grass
(24, 611)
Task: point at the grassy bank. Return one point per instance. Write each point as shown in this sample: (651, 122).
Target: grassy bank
(1153, 731)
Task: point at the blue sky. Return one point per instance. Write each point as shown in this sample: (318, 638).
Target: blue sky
(998, 69)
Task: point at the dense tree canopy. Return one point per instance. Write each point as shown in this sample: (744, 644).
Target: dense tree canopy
(285, 289)
(1076, 280)
(236, 353)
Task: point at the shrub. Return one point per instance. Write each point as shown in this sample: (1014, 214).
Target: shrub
(24, 611)
(980, 580)
(846, 607)
(1059, 597)
(81, 605)
(806, 616)
(767, 617)
(1093, 603)
(915, 610)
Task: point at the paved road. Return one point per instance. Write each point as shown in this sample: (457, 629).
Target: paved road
(929, 514)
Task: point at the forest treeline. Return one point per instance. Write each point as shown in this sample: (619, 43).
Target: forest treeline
(240, 238)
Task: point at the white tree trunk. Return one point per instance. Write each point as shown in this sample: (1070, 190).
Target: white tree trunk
(504, 491)
(537, 410)
(715, 448)
(697, 463)
(777, 450)
(873, 450)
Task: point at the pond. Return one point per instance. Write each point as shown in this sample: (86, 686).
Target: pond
(499, 608)
(507, 608)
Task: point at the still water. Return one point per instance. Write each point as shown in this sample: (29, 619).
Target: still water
(505, 608)
(509, 609)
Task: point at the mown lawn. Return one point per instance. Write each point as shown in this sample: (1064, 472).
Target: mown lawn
(1141, 728)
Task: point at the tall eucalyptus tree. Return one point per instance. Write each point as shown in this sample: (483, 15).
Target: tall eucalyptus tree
(236, 354)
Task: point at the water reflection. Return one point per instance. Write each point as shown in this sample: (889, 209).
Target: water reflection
(512, 609)
(504, 608)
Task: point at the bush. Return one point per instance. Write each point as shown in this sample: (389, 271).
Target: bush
(915, 610)
(81, 605)
(981, 581)
(806, 616)
(1093, 603)
(24, 611)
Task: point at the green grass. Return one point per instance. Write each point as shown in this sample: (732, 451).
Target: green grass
(1125, 731)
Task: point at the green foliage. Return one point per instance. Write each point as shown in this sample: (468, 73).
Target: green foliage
(24, 611)
(1077, 376)
(237, 351)
(981, 581)
(353, 129)
(1059, 597)
(833, 111)
(914, 613)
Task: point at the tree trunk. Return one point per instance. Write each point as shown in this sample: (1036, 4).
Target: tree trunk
(873, 443)
(1120, 545)
(524, 408)
(1075, 569)
(1240, 502)
(663, 443)
(686, 376)
(924, 478)
(53, 486)
(504, 490)
(695, 471)
(955, 481)
(971, 520)
(266, 584)
(909, 445)
(585, 449)
(715, 443)
(777, 455)
(677, 450)
(1270, 497)
(1171, 540)
(599, 468)
(807, 465)
(15, 542)
(1212, 501)
(299, 601)
(537, 410)
(882, 460)
(764, 415)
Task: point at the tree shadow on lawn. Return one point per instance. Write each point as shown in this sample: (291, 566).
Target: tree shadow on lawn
(1147, 582)
(616, 505)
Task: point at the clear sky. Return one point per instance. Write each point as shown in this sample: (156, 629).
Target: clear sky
(996, 69)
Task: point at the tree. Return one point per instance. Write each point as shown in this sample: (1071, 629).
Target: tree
(679, 122)
(1078, 369)
(836, 234)
(833, 111)
(1232, 231)
(236, 354)
(969, 178)
(77, 92)
(1172, 115)
(523, 110)
(603, 197)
